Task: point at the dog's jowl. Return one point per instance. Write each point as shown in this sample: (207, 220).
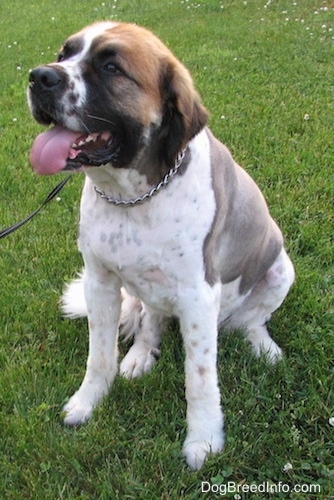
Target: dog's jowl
(170, 225)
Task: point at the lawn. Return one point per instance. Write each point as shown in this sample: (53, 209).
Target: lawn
(265, 72)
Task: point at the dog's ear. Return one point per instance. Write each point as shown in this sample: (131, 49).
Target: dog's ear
(183, 113)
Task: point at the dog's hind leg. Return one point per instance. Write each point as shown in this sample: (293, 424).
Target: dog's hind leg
(130, 315)
(145, 350)
(266, 297)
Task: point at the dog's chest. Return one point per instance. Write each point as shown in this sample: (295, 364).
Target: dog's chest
(156, 249)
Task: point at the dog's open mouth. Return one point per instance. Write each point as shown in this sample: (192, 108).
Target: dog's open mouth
(62, 149)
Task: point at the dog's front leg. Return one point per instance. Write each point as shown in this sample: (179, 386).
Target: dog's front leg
(102, 294)
(204, 415)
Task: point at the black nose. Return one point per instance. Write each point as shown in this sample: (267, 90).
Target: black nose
(45, 77)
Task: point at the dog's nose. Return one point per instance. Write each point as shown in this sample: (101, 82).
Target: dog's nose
(45, 77)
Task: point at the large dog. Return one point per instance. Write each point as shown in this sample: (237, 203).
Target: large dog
(170, 225)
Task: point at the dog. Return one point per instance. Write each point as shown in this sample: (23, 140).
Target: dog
(170, 225)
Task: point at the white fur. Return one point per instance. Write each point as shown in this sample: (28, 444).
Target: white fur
(73, 303)
(145, 263)
(146, 259)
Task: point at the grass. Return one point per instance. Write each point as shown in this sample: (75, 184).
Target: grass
(265, 73)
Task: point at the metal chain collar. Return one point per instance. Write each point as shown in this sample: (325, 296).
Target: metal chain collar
(147, 196)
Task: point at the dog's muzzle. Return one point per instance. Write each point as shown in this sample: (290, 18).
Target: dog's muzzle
(62, 147)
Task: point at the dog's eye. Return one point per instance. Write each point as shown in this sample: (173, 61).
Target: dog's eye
(63, 54)
(72, 47)
(111, 69)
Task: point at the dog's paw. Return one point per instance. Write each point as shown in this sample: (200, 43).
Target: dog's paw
(263, 345)
(195, 450)
(271, 352)
(138, 361)
(77, 411)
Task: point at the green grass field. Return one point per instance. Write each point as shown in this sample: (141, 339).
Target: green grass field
(265, 72)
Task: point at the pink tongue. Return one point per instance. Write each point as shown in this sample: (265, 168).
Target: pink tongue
(51, 150)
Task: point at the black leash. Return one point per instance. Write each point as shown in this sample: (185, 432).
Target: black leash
(54, 192)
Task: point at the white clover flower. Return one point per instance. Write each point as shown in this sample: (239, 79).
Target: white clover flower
(287, 467)
(306, 117)
(331, 421)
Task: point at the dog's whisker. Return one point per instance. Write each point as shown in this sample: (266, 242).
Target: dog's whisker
(101, 119)
(82, 123)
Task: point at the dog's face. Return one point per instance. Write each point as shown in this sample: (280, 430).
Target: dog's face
(114, 90)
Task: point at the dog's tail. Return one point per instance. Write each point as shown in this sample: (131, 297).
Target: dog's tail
(73, 305)
(72, 302)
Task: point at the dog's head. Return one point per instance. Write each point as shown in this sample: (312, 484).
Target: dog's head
(114, 91)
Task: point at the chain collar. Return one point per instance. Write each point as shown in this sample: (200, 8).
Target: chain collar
(155, 190)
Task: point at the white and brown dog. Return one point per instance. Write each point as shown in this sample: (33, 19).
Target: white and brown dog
(166, 215)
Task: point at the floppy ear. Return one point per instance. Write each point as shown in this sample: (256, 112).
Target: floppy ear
(183, 113)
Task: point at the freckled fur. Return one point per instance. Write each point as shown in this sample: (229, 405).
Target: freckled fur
(204, 250)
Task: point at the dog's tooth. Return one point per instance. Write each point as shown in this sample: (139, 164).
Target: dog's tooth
(105, 136)
(91, 138)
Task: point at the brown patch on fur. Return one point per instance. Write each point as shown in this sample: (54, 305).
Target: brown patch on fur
(183, 113)
(137, 51)
(164, 93)
(201, 370)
